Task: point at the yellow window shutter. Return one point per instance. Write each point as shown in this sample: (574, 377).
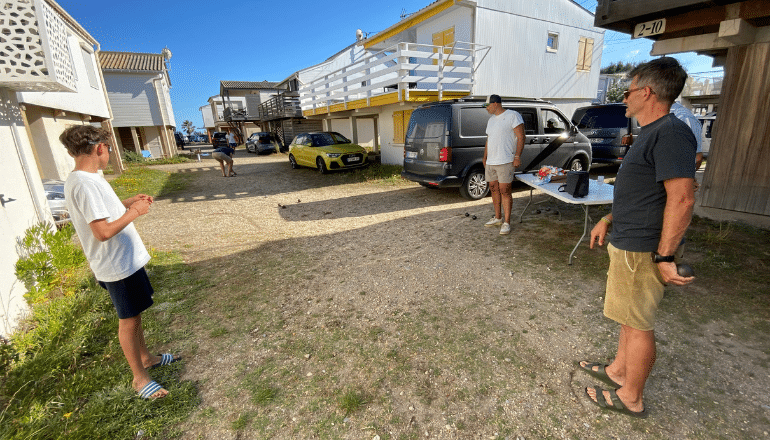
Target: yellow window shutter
(407, 115)
(438, 40)
(398, 127)
(449, 40)
(589, 51)
(581, 53)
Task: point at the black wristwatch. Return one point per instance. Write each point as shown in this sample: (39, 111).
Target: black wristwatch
(657, 258)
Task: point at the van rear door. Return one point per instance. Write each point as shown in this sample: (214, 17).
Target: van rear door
(426, 140)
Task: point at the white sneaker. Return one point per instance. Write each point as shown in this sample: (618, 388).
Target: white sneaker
(494, 222)
(505, 229)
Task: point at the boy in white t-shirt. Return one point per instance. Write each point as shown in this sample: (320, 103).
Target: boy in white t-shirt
(114, 250)
(502, 155)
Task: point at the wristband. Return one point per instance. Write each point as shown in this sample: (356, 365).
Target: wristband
(606, 220)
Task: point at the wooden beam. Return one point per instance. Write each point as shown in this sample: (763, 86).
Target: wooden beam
(737, 31)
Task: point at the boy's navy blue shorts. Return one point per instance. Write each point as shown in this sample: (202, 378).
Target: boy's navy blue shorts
(130, 296)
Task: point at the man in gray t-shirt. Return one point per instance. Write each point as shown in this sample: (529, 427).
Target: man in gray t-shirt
(651, 210)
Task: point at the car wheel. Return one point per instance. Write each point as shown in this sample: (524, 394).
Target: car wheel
(321, 165)
(576, 164)
(474, 186)
(293, 162)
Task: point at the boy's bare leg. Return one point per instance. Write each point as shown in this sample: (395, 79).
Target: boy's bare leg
(131, 336)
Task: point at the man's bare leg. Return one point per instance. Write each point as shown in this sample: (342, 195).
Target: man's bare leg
(506, 200)
(494, 188)
(633, 364)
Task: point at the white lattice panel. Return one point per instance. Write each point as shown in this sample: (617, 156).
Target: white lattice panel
(34, 51)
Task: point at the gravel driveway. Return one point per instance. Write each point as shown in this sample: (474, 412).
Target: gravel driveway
(485, 328)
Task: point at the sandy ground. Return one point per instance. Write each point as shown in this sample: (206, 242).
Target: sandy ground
(385, 255)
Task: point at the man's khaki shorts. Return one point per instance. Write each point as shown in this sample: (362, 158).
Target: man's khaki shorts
(222, 157)
(634, 289)
(501, 173)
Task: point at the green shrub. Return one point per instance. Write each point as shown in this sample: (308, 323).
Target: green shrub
(50, 263)
(132, 157)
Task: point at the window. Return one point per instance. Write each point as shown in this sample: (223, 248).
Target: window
(444, 38)
(585, 54)
(553, 122)
(552, 44)
(90, 69)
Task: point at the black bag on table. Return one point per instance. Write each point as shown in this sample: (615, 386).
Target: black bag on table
(577, 184)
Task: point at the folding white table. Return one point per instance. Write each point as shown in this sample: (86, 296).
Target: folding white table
(597, 195)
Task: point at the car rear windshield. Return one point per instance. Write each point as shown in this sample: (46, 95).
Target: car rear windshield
(604, 117)
(219, 135)
(429, 124)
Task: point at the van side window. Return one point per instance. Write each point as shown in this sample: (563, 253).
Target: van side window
(473, 122)
(553, 122)
(529, 115)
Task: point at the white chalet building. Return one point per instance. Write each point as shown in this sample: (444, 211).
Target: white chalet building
(546, 49)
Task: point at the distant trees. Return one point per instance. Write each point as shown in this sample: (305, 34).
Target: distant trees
(615, 93)
(188, 126)
(619, 67)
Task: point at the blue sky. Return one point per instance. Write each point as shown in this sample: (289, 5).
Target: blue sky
(256, 40)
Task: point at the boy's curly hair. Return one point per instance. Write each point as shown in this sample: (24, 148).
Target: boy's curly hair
(81, 139)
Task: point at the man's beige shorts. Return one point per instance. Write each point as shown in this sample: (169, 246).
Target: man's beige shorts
(634, 289)
(222, 157)
(501, 173)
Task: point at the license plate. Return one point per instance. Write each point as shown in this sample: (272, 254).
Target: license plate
(411, 154)
(354, 159)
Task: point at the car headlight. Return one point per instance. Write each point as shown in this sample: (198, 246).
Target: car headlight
(333, 155)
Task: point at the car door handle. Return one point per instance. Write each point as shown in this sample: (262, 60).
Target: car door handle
(533, 141)
(546, 140)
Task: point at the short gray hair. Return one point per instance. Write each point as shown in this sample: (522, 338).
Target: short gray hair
(664, 75)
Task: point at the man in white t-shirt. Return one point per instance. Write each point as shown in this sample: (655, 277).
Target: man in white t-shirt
(231, 140)
(502, 155)
(114, 250)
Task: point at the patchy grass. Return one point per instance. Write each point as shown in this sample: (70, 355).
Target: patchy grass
(143, 180)
(65, 375)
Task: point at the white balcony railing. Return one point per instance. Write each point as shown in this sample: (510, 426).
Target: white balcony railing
(703, 85)
(35, 54)
(404, 67)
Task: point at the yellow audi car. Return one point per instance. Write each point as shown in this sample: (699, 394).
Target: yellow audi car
(326, 151)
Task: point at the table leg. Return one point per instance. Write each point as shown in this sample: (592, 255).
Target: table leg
(585, 231)
(528, 203)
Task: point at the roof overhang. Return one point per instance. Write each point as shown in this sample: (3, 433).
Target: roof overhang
(707, 27)
(383, 38)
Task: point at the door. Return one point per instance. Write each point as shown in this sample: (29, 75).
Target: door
(553, 125)
(533, 140)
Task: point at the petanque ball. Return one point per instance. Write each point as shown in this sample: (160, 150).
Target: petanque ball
(685, 270)
(467, 215)
(474, 217)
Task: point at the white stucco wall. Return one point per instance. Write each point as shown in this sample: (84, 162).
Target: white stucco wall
(365, 130)
(52, 158)
(24, 204)
(87, 100)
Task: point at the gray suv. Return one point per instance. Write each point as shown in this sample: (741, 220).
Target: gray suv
(445, 141)
(606, 126)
